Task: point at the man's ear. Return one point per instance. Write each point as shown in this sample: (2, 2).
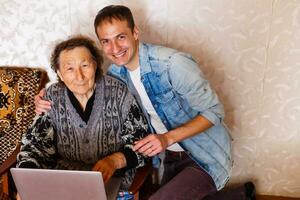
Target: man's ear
(60, 76)
(136, 33)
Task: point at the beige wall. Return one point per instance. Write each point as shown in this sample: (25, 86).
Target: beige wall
(248, 49)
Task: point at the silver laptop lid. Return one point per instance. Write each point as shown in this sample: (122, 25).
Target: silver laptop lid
(44, 184)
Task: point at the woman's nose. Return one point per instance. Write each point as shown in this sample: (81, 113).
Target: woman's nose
(79, 74)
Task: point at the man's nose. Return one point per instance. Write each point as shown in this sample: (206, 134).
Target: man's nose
(115, 46)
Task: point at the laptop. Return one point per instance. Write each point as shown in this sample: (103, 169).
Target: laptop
(47, 184)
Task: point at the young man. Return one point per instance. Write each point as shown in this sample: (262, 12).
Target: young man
(184, 112)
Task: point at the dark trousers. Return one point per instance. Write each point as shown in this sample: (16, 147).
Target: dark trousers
(183, 179)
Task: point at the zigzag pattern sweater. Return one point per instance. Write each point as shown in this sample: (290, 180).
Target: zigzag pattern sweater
(60, 139)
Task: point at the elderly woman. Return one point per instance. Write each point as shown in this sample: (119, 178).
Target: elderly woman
(93, 122)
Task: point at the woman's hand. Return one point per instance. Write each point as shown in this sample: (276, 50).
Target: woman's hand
(108, 165)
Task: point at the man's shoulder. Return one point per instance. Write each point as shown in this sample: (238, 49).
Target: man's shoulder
(158, 51)
(113, 69)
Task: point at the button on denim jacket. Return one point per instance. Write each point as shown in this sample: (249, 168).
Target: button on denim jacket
(179, 92)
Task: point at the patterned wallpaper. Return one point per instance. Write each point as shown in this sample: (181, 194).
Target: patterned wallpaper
(248, 49)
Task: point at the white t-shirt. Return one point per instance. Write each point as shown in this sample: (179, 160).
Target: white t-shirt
(154, 118)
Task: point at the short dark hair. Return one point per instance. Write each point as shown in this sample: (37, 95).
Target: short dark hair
(111, 12)
(73, 42)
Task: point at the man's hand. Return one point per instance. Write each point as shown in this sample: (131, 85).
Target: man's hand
(40, 104)
(156, 143)
(152, 144)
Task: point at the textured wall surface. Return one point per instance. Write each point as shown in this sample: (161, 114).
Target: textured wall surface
(248, 49)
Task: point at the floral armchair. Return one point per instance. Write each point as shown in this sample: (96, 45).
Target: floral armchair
(18, 86)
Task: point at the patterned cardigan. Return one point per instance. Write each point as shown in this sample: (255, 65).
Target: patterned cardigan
(60, 139)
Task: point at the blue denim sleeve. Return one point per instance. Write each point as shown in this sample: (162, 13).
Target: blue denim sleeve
(188, 81)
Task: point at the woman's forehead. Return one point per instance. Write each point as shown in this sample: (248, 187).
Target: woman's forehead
(80, 52)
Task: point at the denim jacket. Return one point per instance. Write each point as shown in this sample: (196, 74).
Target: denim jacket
(179, 92)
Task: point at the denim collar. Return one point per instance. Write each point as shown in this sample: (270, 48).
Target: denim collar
(144, 59)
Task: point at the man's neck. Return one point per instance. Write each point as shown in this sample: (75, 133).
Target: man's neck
(135, 63)
(131, 68)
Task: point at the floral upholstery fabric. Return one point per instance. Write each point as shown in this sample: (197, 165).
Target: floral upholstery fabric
(18, 86)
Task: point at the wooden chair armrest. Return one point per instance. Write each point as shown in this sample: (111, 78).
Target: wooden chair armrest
(10, 161)
(140, 177)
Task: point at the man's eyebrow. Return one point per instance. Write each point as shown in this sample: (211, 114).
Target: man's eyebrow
(101, 39)
(121, 34)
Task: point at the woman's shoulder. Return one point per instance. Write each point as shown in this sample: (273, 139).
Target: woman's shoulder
(113, 82)
(116, 88)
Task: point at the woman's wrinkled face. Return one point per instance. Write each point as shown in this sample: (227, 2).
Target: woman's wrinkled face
(77, 70)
